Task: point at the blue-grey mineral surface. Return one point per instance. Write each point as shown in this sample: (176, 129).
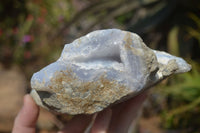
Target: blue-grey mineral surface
(99, 69)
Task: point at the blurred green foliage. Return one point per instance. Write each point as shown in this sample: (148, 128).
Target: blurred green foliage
(195, 31)
(33, 32)
(25, 29)
(182, 101)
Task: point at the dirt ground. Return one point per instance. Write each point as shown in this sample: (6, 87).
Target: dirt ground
(12, 89)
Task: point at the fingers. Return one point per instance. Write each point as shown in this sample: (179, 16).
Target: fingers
(122, 119)
(78, 124)
(102, 122)
(108, 121)
(116, 121)
(26, 119)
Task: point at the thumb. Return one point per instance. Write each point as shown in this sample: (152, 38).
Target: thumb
(27, 117)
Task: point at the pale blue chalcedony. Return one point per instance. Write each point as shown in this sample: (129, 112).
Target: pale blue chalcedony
(99, 69)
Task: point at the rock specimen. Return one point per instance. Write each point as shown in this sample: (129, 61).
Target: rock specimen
(100, 69)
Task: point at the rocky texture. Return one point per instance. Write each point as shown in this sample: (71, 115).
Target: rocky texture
(99, 69)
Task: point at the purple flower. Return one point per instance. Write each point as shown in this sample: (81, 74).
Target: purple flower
(27, 38)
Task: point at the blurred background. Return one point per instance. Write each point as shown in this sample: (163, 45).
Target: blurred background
(33, 34)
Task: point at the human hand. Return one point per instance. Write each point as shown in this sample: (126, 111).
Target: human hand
(112, 120)
(27, 117)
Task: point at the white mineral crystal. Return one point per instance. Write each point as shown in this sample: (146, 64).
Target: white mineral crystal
(100, 69)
